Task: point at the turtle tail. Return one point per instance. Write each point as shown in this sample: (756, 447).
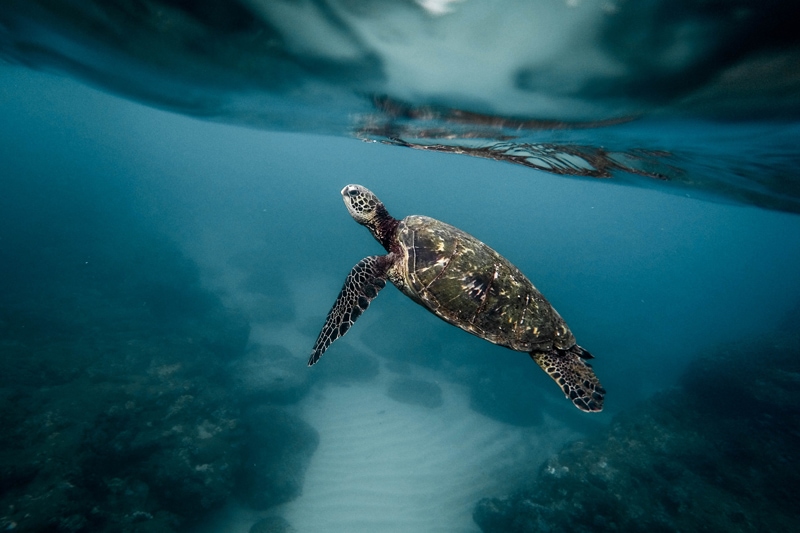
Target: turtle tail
(575, 377)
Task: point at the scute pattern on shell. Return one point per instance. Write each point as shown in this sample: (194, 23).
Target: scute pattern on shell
(468, 284)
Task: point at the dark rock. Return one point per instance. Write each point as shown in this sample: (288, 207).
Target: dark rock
(710, 456)
(416, 392)
(115, 406)
(15, 475)
(272, 524)
(277, 451)
(185, 457)
(757, 377)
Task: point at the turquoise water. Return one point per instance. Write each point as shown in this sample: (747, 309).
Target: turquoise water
(167, 263)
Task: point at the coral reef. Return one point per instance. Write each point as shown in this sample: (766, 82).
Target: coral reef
(717, 453)
(117, 415)
(118, 399)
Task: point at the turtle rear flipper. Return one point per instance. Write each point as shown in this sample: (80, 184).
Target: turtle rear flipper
(361, 286)
(574, 376)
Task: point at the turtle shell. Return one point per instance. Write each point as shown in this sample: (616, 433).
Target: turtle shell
(468, 284)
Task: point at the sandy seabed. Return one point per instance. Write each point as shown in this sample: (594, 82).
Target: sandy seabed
(388, 466)
(393, 467)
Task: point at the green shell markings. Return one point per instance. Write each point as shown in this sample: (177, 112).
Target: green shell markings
(464, 282)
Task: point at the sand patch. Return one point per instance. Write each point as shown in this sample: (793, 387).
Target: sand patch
(394, 467)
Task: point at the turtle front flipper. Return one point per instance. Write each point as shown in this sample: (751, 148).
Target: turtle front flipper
(574, 376)
(362, 285)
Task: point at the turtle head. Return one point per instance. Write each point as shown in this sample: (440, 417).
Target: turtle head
(362, 204)
(368, 211)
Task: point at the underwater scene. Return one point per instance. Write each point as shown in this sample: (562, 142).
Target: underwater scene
(183, 186)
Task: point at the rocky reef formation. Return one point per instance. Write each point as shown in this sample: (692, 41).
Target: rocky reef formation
(119, 404)
(276, 455)
(717, 453)
(114, 409)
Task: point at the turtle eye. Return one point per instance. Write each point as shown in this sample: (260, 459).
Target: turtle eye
(353, 192)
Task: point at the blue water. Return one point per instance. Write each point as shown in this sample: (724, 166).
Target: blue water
(152, 262)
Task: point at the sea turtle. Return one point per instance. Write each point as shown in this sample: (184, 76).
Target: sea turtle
(464, 282)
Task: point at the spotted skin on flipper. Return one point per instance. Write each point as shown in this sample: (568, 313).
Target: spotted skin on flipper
(575, 377)
(362, 285)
